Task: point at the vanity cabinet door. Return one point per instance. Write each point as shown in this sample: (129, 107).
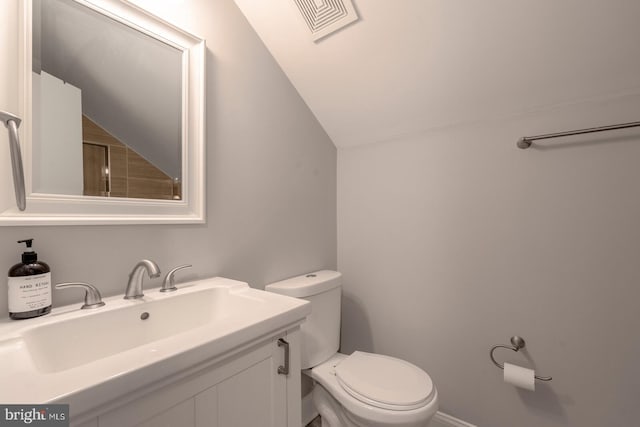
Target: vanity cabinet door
(152, 410)
(244, 391)
(181, 415)
(256, 396)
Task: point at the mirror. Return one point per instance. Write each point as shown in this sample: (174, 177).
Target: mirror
(113, 128)
(106, 103)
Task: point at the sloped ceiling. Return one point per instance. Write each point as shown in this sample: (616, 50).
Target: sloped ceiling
(407, 66)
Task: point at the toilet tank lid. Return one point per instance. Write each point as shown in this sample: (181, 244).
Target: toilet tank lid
(307, 284)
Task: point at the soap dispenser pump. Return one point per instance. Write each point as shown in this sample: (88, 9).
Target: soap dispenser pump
(29, 286)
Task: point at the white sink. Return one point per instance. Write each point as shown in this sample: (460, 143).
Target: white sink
(85, 357)
(73, 342)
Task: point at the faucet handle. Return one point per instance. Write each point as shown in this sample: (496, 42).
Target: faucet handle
(92, 297)
(169, 284)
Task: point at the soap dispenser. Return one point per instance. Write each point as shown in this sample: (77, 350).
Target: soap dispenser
(29, 286)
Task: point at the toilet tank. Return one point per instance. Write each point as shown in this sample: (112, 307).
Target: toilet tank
(320, 333)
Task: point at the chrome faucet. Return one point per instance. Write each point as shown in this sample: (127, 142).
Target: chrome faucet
(134, 287)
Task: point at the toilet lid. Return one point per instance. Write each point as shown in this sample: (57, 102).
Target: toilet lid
(384, 381)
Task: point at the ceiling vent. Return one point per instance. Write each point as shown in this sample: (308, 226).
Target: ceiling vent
(326, 16)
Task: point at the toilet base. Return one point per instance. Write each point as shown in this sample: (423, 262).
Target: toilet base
(331, 413)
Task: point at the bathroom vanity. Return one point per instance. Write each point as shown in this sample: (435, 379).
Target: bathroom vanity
(214, 353)
(244, 389)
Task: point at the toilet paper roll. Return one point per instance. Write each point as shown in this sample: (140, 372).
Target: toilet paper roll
(519, 376)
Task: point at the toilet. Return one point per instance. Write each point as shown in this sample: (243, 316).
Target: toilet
(361, 389)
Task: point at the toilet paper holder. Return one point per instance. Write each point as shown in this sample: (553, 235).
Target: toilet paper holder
(517, 343)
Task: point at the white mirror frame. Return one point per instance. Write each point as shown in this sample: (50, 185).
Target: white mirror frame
(50, 209)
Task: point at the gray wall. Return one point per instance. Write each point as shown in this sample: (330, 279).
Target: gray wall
(271, 185)
(455, 240)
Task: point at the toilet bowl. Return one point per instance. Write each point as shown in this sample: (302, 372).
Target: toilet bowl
(360, 394)
(361, 389)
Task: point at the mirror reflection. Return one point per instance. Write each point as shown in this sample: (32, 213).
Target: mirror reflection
(107, 106)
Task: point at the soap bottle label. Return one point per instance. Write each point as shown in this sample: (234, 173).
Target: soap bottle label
(27, 293)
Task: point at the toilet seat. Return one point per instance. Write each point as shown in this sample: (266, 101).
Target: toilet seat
(384, 382)
(369, 413)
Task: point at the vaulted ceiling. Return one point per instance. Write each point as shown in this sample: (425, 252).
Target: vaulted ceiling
(407, 66)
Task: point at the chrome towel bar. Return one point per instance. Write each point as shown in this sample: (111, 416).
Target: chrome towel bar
(12, 123)
(525, 141)
(517, 343)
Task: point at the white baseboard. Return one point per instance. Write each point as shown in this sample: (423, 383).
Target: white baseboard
(440, 419)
